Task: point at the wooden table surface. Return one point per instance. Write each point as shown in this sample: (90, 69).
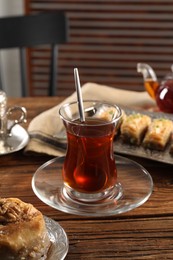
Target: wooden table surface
(143, 233)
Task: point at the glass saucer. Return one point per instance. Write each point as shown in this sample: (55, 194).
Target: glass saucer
(59, 241)
(134, 185)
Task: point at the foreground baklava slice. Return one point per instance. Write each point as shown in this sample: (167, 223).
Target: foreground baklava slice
(171, 146)
(158, 134)
(134, 127)
(23, 234)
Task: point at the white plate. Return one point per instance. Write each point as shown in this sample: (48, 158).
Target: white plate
(17, 141)
(58, 238)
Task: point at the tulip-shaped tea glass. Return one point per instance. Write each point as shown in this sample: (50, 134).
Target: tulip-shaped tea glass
(89, 169)
(89, 180)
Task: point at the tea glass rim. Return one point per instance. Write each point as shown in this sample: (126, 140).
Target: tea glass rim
(116, 118)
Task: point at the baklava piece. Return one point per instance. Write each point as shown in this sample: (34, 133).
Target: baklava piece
(23, 234)
(158, 134)
(134, 127)
(107, 113)
(171, 147)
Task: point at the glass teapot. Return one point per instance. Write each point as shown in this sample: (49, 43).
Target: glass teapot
(161, 92)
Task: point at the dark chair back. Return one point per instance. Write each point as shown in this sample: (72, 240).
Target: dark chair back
(33, 30)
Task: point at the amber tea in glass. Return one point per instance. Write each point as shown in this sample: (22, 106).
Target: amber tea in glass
(89, 170)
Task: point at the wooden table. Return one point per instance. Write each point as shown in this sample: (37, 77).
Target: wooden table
(143, 233)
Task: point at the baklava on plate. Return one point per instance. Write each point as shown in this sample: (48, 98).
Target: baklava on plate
(23, 233)
(158, 134)
(134, 127)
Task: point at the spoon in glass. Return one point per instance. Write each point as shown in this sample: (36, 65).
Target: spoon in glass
(61, 137)
(79, 95)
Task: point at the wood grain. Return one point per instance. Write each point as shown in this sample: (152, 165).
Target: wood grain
(143, 233)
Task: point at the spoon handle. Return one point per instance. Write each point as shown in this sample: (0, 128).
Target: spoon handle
(79, 95)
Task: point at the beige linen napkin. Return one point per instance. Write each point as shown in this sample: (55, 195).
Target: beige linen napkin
(44, 128)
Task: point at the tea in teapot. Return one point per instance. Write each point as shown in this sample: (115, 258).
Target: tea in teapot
(162, 92)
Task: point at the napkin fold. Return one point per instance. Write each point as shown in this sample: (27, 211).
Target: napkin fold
(45, 128)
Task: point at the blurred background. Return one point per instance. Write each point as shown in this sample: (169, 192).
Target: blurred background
(9, 60)
(106, 41)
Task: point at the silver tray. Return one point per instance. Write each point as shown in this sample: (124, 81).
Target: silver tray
(17, 141)
(123, 148)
